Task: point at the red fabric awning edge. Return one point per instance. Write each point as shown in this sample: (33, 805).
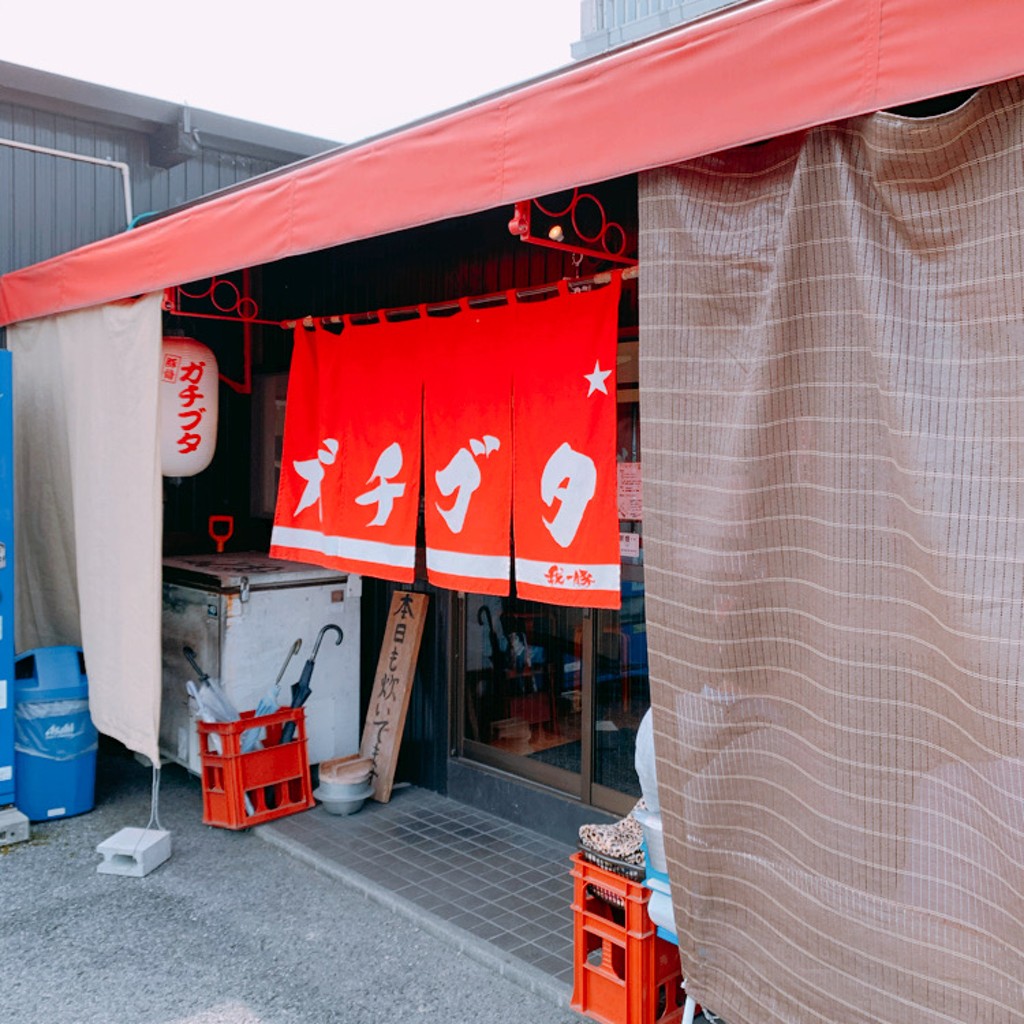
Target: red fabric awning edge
(752, 72)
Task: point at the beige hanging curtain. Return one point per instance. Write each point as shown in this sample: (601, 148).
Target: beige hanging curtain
(88, 513)
(832, 365)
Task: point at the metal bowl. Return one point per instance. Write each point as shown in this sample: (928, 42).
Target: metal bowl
(343, 790)
(334, 803)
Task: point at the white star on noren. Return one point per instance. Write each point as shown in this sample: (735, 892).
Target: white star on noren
(597, 379)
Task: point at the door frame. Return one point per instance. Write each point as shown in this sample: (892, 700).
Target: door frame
(582, 786)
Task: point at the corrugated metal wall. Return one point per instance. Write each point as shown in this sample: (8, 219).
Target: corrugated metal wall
(606, 24)
(49, 204)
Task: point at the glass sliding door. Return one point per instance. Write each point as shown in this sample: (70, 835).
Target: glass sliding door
(555, 695)
(522, 705)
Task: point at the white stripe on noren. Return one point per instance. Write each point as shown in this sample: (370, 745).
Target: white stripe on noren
(399, 556)
(459, 563)
(567, 575)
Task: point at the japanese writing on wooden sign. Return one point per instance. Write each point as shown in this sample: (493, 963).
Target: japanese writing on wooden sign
(389, 702)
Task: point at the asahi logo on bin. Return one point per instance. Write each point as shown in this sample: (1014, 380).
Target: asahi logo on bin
(60, 732)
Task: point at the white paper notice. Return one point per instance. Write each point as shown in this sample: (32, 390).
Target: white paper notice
(630, 491)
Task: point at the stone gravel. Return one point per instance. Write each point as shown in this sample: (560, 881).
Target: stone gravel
(230, 930)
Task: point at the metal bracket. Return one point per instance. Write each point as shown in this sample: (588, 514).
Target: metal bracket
(231, 304)
(566, 228)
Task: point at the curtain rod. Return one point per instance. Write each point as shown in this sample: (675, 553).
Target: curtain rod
(602, 278)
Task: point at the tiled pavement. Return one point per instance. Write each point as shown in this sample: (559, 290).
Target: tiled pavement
(500, 893)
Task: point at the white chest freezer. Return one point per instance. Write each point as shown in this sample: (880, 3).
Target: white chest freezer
(241, 613)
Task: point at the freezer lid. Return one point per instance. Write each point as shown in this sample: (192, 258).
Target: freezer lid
(226, 571)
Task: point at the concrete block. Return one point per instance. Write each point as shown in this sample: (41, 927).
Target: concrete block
(134, 851)
(13, 826)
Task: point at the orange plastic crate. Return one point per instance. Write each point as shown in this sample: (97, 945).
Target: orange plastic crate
(245, 789)
(623, 972)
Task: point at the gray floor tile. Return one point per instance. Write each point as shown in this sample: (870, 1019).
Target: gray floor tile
(448, 890)
(532, 954)
(514, 901)
(462, 919)
(508, 942)
(557, 924)
(556, 903)
(530, 931)
(499, 883)
(490, 892)
(508, 919)
(485, 929)
(426, 894)
(465, 880)
(474, 902)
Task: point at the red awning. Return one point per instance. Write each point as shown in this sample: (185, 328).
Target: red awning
(749, 73)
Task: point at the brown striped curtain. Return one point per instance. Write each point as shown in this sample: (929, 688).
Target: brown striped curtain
(832, 381)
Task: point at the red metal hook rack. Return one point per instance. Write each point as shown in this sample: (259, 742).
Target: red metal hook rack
(605, 240)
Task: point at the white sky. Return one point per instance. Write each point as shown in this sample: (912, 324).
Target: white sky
(341, 69)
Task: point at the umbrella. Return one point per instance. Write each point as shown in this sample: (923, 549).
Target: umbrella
(268, 704)
(301, 689)
(497, 653)
(484, 617)
(211, 701)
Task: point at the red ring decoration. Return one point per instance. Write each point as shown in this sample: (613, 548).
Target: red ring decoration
(559, 213)
(200, 295)
(241, 307)
(610, 235)
(575, 225)
(223, 282)
(610, 229)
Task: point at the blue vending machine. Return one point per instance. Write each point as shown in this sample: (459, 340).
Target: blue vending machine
(6, 584)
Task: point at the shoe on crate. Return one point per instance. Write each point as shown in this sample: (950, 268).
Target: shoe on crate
(617, 847)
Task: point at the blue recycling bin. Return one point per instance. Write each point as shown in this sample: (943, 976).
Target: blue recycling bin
(55, 741)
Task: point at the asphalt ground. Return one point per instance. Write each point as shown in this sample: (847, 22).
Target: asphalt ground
(229, 930)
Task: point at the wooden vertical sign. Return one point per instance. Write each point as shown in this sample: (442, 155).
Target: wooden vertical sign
(389, 702)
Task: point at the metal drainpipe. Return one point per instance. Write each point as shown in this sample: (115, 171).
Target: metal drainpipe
(114, 164)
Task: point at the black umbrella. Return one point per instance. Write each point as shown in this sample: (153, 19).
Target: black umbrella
(190, 656)
(497, 654)
(301, 689)
(487, 698)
